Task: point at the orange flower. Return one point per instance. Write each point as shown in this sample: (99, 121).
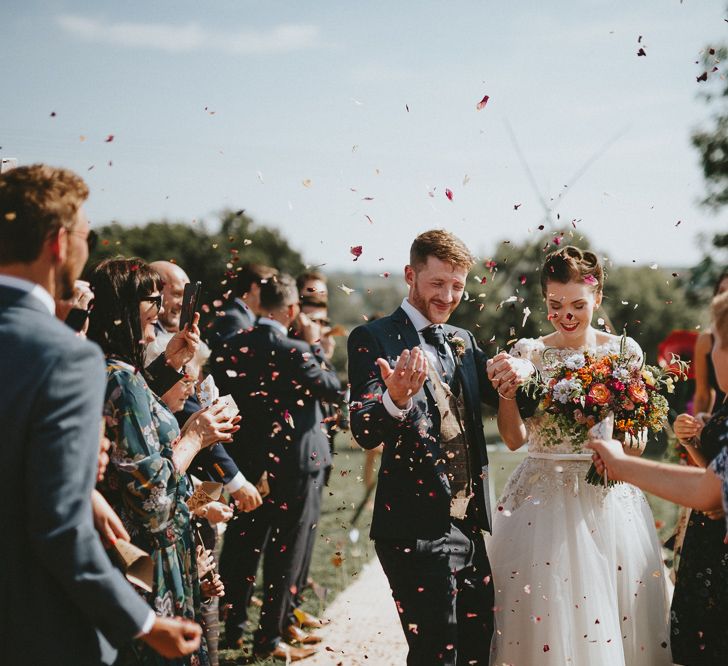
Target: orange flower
(600, 394)
(638, 393)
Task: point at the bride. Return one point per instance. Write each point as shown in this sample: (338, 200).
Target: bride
(577, 568)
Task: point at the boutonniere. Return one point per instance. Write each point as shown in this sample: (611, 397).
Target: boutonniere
(457, 344)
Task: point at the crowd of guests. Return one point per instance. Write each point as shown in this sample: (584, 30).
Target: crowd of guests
(108, 435)
(111, 444)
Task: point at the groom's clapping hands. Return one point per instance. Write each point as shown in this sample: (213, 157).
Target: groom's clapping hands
(406, 378)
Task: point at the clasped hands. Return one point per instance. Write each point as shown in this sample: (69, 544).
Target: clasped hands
(403, 381)
(507, 373)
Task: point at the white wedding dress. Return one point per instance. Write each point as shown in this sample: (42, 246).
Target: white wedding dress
(577, 568)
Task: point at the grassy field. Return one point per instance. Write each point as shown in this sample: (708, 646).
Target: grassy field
(338, 559)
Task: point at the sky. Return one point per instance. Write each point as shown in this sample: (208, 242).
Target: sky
(346, 124)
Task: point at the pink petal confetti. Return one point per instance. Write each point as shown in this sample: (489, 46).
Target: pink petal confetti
(483, 280)
(356, 251)
(557, 240)
(523, 279)
(448, 193)
(481, 104)
(591, 280)
(109, 138)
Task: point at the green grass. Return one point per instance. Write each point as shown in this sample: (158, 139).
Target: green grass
(337, 560)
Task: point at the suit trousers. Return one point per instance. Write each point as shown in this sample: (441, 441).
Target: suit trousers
(444, 595)
(276, 531)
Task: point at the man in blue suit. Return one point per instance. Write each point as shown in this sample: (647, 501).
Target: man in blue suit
(60, 592)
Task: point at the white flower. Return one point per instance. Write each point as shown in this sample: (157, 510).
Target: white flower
(622, 374)
(564, 389)
(575, 361)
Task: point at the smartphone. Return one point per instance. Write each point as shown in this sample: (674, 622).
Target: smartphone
(190, 303)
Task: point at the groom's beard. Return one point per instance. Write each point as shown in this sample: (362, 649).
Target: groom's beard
(428, 308)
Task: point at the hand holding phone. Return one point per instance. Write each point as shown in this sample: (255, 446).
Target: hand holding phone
(190, 303)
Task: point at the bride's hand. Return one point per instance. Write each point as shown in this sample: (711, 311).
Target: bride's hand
(607, 455)
(505, 371)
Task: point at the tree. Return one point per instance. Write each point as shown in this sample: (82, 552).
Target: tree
(712, 142)
(211, 257)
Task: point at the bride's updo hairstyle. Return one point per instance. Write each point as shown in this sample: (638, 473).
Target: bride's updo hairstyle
(570, 264)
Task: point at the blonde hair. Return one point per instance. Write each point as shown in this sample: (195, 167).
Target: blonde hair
(442, 245)
(719, 316)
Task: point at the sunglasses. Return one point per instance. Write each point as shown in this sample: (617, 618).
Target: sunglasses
(154, 300)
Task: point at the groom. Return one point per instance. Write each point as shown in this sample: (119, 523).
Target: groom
(417, 385)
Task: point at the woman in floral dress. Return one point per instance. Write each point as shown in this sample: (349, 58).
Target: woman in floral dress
(145, 482)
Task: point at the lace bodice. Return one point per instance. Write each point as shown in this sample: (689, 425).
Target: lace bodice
(545, 435)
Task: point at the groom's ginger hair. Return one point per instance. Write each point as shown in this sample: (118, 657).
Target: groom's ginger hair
(570, 264)
(442, 245)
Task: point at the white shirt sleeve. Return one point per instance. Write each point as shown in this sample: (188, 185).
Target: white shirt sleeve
(393, 410)
(235, 484)
(148, 624)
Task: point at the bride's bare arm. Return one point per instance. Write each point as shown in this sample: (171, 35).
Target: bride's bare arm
(510, 425)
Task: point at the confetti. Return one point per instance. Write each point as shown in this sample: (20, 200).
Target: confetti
(347, 290)
(641, 52)
(109, 138)
(356, 251)
(307, 182)
(448, 193)
(481, 104)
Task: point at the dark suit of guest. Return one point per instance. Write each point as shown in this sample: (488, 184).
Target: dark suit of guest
(237, 317)
(56, 582)
(278, 384)
(436, 564)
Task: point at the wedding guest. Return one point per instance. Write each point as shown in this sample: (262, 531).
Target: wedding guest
(278, 383)
(708, 395)
(313, 309)
(213, 463)
(145, 482)
(701, 638)
(205, 519)
(62, 598)
(241, 313)
(312, 288)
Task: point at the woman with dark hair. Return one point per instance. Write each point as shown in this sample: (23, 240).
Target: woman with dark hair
(577, 567)
(145, 482)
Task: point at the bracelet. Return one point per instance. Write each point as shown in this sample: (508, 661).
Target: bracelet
(504, 397)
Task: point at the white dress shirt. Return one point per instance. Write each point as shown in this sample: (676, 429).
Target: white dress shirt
(420, 322)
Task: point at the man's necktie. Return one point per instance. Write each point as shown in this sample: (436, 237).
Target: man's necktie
(435, 336)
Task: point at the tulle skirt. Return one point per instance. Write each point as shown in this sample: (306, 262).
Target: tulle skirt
(578, 572)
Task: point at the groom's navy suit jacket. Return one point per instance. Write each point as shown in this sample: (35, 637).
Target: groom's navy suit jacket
(413, 492)
(57, 584)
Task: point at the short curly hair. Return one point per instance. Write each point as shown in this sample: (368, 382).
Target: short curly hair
(442, 245)
(35, 202)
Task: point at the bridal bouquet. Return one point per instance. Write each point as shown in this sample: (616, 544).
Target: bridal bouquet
(585, 389)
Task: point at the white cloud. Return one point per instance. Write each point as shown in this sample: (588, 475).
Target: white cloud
(191, 36)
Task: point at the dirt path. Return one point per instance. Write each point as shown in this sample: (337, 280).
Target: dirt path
(364, 627)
